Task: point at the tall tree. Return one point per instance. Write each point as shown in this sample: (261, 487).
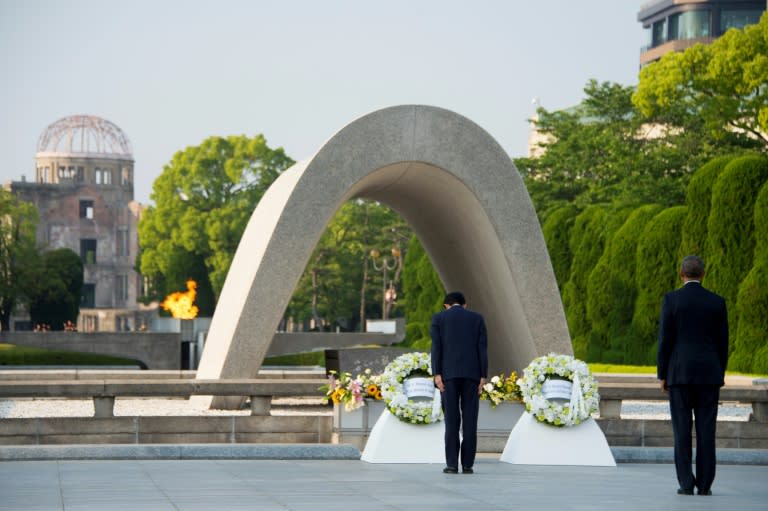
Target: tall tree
(655, 273)
(602, 151)
(203, 200)
(340, 286)
(55, 295)
(18, 253)
(730, 241)
(717, 93)
(751, 310)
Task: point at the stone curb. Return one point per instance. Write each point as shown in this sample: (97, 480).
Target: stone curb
(666, 455)
(180, 452)
(302, 452)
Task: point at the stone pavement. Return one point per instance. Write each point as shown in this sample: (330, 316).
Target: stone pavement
(343, 484)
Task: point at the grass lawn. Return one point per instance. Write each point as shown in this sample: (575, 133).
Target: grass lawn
(12, 355)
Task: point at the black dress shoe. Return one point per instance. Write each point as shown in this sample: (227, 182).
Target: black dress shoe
(450, 470)
(705, 492)
(684, 491)
(467, 470)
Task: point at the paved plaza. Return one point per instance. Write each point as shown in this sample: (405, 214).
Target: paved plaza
(319, 485)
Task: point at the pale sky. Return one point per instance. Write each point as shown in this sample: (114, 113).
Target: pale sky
(171, 73)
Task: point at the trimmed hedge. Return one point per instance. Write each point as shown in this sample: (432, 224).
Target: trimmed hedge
(612, 290)
(424, 290)
(699, 201)
(557, 232)
(590, 230)
(750, 346)
(731, 242)
(656, 274)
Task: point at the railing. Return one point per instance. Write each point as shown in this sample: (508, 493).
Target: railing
(103, 392)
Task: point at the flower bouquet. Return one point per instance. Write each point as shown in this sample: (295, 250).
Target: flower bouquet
(351, 392)
(501, 389)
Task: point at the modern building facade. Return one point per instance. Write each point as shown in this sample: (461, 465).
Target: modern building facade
(83, 191)
(674, 25)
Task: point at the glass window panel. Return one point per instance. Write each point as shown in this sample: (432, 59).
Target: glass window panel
(659, 33)
(739, 18)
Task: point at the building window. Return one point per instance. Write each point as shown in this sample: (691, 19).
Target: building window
(659, 33)
(739, 18)
(103, 176)
(88, 298)
(67, 172)
(90, 323)
(86, 209)
(689, 25)
(121, 289)
(123, 248)
(80, 173)
(125, 176)
(88, 251)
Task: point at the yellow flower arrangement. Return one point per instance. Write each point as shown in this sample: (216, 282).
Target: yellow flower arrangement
(351, 392)
(501, 389)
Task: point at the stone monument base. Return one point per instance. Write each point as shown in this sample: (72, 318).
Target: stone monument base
(534, 443)
(394, 441)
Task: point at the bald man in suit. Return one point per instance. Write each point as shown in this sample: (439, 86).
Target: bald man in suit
(460, 368)
(691, 362)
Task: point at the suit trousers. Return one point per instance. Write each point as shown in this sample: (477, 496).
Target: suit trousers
(461, 404)
(686, 402)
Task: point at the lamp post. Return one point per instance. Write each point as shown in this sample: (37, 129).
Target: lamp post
(388, 293)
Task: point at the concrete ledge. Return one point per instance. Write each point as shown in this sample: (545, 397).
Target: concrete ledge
(662, 455)
(666, 455)
(180, 452)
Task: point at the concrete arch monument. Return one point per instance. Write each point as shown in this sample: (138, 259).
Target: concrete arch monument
(457, 188)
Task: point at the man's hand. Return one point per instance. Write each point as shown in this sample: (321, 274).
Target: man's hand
(439, 383)
(664, 387)
(480, 387)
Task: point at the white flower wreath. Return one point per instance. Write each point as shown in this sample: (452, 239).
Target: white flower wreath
(393, 389)
(584, 398)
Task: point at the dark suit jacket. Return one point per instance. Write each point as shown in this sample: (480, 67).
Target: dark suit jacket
(693, 337)
(459, 344)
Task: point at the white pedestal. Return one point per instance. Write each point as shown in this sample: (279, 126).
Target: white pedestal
(534, 443)
(394, 441)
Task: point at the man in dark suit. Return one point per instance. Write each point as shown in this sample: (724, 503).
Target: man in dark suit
(460, 368)
(692, 357)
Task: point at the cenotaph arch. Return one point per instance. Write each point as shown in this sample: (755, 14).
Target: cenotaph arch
(461, 194)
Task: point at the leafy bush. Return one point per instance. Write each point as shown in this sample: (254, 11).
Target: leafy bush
(750, 346)
(557, 231)
(656, 274)
(612, 290)
(699, 200)
(731, 241)
(424, 290)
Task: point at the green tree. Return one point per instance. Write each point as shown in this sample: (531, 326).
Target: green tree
(656, 274)
(612, 289)
(715, 91)
(699, 202)
(731, 240)
(557, 233)
(750, 345)
(340, 286)
(424, 292)
(18, 253)
(55, 296)
(603, 151)
(203, 200)
(588, 236)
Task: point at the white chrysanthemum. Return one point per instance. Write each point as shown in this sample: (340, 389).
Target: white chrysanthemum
(552, 412)
(393, 392)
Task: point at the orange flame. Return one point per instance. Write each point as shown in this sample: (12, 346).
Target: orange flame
(182, 305)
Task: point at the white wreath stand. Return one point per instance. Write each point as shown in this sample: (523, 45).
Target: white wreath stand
(394, 441)
(534, 443)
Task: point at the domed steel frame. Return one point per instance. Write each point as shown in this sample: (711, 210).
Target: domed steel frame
(84, 135)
